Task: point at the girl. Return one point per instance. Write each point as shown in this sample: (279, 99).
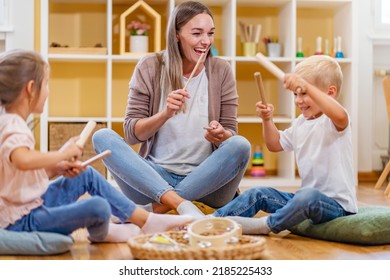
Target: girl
(28, 200)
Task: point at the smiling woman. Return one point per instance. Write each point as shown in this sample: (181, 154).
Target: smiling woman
(178, 161)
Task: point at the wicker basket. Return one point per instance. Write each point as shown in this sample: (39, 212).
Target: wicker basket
(248, 248)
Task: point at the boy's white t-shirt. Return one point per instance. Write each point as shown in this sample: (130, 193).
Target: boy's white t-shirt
(20, 191)
(324, 157)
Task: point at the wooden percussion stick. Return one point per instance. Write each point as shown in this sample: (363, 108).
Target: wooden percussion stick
(84, 135)
(260, 87)
(270, 66)
(192, 74)
(95, 158)
(194, 70)
(275, 70)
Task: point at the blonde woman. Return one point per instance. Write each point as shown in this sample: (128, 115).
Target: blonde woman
(179, 160)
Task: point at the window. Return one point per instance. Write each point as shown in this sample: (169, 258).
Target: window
(2, 12)
(385, 12)
(382, 14)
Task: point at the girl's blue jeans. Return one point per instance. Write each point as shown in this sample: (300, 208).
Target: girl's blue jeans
(288, 209)
(214, 182)
(63, 212)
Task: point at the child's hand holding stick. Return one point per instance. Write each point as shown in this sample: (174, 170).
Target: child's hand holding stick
(260, 87)
(273, 68)
(87, 131)
(84, 135)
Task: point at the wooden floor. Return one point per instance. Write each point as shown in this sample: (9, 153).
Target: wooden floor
(278, 247)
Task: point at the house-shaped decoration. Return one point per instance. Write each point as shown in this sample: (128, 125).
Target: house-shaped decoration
(156, 25)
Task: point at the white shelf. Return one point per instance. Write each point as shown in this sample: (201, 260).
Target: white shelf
(76, 119)
(77, 57)
(286, 19)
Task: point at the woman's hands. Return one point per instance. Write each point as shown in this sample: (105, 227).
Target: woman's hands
(216, 134)
(175, 101)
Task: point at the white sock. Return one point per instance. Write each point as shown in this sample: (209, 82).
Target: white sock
(148, 207)
(188, 208)
(252, 225)
(163, 222)
(115, 220)
(119, 233)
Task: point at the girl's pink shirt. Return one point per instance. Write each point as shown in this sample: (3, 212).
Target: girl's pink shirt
(20, 191)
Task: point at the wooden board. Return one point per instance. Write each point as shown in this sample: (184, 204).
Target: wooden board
(78, 50)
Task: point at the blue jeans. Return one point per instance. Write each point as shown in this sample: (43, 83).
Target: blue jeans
(63, 213)
(288, 209)
(214, 182)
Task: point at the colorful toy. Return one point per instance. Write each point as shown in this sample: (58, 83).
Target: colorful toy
(318, 46)
(299, 48)
(258, 169)
(334, 47)
(326, 51)
(214, 51)
(339, 53)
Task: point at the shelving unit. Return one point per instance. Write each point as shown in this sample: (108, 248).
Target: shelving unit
(95, 86)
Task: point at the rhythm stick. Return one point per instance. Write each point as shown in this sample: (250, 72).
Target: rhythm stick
(84, 135)
(263, 60)
(95, 158)
(183, 108)
(260, 87)
(270, 66)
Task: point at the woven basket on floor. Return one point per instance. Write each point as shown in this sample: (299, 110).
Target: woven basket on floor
(248, 248)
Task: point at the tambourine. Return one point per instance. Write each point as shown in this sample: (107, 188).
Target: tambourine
(213, 232)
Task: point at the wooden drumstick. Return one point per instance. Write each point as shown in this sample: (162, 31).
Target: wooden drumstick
(260, 87)
(84, 135)
(95, 158)
(263, 60)
(275, 70)
(183, 108)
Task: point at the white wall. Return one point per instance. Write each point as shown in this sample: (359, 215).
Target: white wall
(16, 24)
(374, 53)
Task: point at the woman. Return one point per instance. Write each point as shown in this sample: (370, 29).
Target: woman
(189, 147)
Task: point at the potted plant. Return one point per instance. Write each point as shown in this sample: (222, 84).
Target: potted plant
(139, 39)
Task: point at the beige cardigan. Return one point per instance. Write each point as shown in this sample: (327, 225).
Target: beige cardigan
(144, 96)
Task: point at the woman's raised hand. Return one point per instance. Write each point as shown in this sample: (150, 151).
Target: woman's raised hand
(175, 101)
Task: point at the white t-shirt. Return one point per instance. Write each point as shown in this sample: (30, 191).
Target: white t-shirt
(20, 191)
(180, 145)
(324, 157)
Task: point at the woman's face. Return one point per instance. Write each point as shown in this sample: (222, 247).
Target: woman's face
(196, 37)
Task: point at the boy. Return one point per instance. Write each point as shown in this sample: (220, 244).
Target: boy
(322, 141)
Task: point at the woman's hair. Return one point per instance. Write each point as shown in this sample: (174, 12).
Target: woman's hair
(172, 69)
(17, 68)
(322, 70)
